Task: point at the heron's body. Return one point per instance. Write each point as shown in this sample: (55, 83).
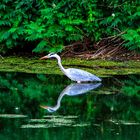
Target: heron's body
(80, 75)
(74, 74)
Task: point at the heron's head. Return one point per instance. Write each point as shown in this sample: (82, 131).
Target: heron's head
(50, 109)
(50, 55)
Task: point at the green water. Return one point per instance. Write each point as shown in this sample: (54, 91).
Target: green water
(110, 111)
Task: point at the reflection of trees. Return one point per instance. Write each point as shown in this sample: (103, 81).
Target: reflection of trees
(124, 104)
(26, 92)
(110, 108)
(23, 93)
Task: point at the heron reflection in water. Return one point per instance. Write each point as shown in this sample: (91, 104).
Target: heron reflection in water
(72, 90)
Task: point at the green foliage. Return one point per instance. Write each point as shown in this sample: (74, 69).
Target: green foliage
(131, 87)
(14, 15)
(50, 25)
(133, 39)
(123, 20)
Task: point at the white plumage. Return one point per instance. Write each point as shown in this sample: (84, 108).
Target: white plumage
(74, 74)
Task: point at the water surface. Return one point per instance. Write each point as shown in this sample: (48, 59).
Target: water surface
(107, 110)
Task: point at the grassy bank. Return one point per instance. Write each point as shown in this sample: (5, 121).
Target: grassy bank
(98, 67)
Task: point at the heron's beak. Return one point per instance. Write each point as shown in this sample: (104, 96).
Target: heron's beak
(44, 57)
(45, 107)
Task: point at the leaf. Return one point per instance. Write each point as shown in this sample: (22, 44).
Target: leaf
(69, 28)
(71, 21)
(116, 22)
(42, 44)
(15, 36)
(12, 30)
(56, 48)
(5, 36)
(40, 47)
(127, 37)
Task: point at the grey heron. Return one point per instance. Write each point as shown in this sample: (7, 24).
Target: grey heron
(74, 74)
(72, 90)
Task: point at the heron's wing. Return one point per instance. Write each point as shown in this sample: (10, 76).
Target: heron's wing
(81, 75)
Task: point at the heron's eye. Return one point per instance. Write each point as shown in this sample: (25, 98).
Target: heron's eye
(49, 54)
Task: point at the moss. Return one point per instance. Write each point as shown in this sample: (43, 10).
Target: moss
(98, 67)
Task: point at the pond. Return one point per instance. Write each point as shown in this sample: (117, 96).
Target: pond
(39, 106)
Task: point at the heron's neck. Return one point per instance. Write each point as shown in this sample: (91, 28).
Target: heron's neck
(60, 98)
(56, 107)
(60, 65)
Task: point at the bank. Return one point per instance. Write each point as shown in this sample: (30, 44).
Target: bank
(99, 67)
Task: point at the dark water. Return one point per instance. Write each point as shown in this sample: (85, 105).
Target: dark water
(107, 110)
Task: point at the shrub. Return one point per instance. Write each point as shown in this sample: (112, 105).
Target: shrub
(50, 25)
